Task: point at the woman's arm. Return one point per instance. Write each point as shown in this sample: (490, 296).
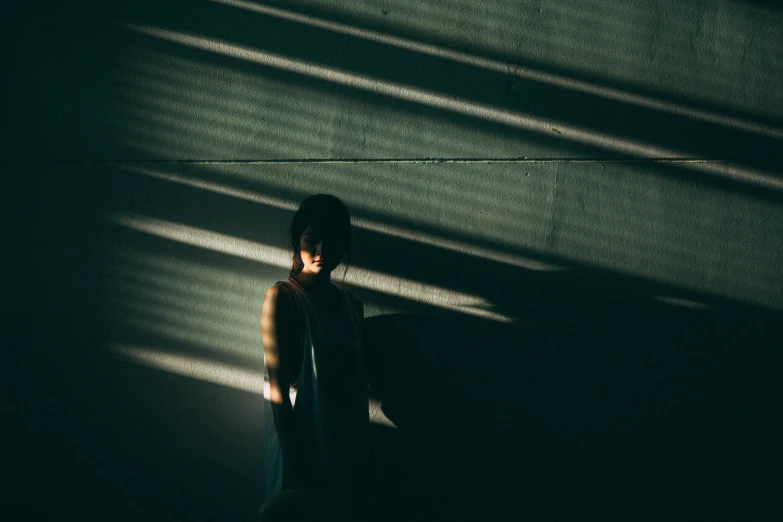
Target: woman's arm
(280, 327)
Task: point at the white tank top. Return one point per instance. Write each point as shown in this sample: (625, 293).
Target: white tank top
(329, 397)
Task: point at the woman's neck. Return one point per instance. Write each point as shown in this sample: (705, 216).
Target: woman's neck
(314, 280)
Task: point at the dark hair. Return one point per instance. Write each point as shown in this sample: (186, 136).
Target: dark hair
(326, 214)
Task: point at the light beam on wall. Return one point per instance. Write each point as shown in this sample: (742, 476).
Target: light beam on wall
(510, 69)
(682, 303)
(279, 257)
(367, 224)
(721, 54)
(542, 126)
(220, 373)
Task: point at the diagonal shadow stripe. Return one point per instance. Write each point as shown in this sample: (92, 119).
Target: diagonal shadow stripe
(511, 69)
(542, 126)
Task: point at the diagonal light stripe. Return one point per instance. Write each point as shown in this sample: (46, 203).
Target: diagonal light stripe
(681, 302)
(209, 240)
(228, 375)
(509, 69)
(543, 126)
(374, 226)
(199, 368)
(274, 256)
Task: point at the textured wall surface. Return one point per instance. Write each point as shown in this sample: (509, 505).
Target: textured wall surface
(568, 212)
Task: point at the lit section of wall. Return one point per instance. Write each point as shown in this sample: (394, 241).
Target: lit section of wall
(625, 217)
(178, 107)
(496, 155)
(717, 53)
(188, 303)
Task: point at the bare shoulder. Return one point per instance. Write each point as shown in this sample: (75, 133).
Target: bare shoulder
(275, 292)
(279, 300)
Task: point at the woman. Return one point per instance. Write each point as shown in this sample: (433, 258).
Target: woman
(317, 451)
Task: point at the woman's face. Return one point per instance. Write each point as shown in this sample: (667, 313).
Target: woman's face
(320, 253)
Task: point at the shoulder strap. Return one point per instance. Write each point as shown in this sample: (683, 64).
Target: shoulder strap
(295, 292)
(349, 299)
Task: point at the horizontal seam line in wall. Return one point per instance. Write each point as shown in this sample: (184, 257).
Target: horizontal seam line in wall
(365, 160)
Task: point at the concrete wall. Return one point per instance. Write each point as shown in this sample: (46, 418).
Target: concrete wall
(577, 205)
